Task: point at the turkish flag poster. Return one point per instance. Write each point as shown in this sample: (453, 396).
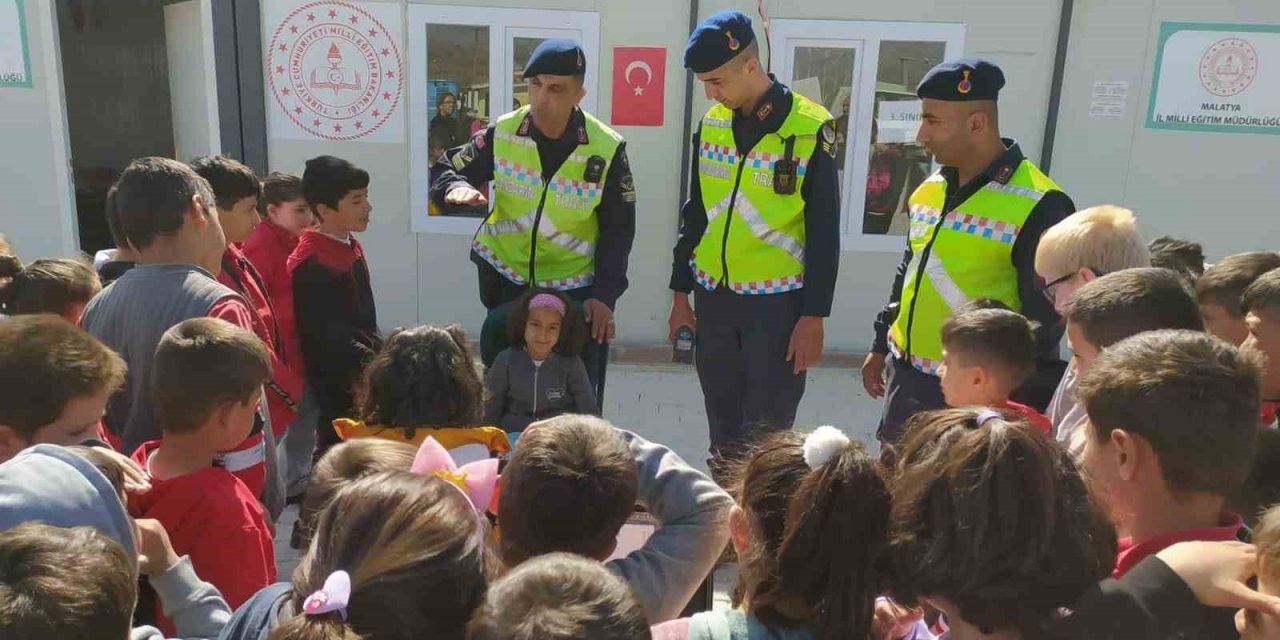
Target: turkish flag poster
(639, 83)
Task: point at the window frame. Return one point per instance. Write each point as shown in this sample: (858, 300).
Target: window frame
(865, 38)
(504, 26)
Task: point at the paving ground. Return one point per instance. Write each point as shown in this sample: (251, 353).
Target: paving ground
(664, 403)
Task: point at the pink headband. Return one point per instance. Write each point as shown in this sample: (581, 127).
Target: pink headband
(477, 480)
(547, 301)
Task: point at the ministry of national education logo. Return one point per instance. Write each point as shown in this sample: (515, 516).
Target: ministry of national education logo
(335, 70)
(1229, 67)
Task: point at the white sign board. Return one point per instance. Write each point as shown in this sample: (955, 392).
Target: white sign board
(1108, 100)
(898, 121)
(334, 70)
(1219, 78)
(15, 62)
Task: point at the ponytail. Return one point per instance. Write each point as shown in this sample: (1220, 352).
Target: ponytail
(323, 627)
(52, 285)
(831, 562)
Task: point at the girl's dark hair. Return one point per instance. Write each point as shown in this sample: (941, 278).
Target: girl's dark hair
(821, 536)
(572, 330)
(415, 552)
(50, 285)
(995, 518)
(422, 377)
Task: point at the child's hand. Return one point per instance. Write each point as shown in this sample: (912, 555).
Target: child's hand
(893, 621)
(1216, 572)
(155, 552)
(136, 479)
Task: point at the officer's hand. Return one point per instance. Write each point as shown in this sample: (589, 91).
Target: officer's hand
(599, 320)
(681, 315)
(155, 553)
(465, 196)
(805, 348)
(873, 374)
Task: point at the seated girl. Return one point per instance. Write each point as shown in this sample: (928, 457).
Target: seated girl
(541, 375)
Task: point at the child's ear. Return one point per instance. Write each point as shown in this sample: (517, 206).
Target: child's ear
(980, 376)
(1127, 449)
(739, 529)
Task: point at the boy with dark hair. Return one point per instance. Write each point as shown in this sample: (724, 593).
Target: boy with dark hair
(336, 319)
(236, 189)
(987, 353)
(62, 487)
(57, 380)
(165, 211)
(1171, 431)
(559, 596)
(287, 215)
(573, 465)
(1261, 302)
(1220, 289)
(1183, 257)
(206, 384)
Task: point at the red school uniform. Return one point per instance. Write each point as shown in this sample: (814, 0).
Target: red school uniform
(213, 518)
(1037, 419)
(268, 248)
(1130, 554)
(284, 392)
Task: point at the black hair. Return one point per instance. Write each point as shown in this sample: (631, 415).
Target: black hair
(231, 181)
(327, 180)
(572, 330)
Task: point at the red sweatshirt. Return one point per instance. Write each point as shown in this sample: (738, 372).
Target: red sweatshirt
(214, 519)
(239, 275)
(268, 248)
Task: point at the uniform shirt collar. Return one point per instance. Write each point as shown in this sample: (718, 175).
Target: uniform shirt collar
(576, 131)
(772, 110)
(1130, 554)
(1001, 170)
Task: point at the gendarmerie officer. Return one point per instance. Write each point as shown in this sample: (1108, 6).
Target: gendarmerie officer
(759, 237)
(564, 201)
(975, 227)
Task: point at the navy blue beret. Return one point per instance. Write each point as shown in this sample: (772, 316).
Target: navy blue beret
(717, 40)
(962, 80)
(556, 57)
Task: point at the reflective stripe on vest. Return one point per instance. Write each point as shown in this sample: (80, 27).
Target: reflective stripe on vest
(962, 255)
(763, 252)
(540, 231)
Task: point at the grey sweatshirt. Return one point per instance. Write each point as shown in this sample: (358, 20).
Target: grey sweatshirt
(49, 484)
(692, 514)
(521, 393)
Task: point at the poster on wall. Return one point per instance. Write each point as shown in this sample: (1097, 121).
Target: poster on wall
(334, 70)
(1219, 78)
(15, 61)
(639, 81)
(898, 121)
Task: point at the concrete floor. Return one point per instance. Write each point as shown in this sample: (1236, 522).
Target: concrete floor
(663, 403)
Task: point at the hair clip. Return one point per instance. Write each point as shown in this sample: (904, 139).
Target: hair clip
(333, 596)
(477, 480)
(986, 415)
(547, 301)
(822, 445)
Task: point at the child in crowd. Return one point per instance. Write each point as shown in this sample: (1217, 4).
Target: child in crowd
(540, 376)
(987, 352)
(1183, 257)
(62, 568)
(811, 528)
(1220, 289)
(1171, 431)
(208, 377)
(559, 596)
(1114, 307)
(341, 465)
(1253, 625)
(333, 304)
(992, 525)
(424, 383)
(61, 286)
(57, 381)
(1085, 246)
(567, 467)
(268, 247)
(396, 556)
(1261, 302)
(113, 263)
(236, 191)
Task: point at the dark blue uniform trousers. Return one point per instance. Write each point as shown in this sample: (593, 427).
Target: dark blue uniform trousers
(908, 391)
